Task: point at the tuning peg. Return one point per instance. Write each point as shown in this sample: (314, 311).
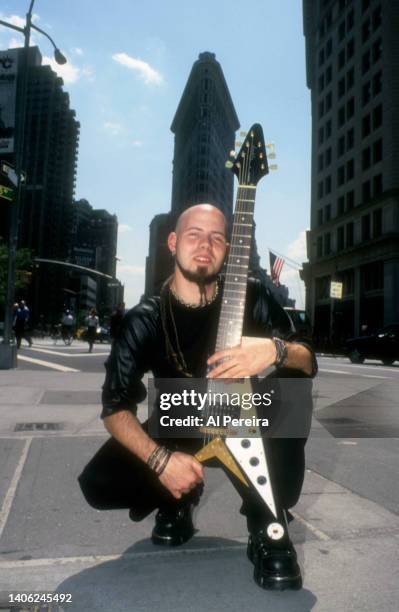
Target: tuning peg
(273, 167)
(243, 134)
(238, 143)
(272, 156)
(229, 164)
(233, 153)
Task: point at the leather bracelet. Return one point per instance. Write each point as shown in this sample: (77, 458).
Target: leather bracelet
(281, 352)
(158, 459)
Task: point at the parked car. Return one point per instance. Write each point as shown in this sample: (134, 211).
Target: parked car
(300, 320)
(383, 344)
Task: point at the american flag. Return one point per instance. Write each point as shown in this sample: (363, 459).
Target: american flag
(276, 265)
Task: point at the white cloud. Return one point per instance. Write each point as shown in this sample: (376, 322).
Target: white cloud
(77, 50)
(137, 143)
(68, 72)
(113, 128)
(123, 228)
(145, 72)
(296, 251)
(16, 20)
(127, 270)
(15, 43)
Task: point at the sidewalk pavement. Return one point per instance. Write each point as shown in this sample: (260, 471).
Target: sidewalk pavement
(51, 540)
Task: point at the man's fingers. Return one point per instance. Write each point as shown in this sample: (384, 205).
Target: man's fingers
(198, 469)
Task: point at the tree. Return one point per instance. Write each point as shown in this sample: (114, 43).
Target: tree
(24, 266)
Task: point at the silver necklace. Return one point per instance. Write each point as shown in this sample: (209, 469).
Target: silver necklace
(189, 305)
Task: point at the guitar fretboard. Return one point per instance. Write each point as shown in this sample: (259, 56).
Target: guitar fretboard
(235, 286)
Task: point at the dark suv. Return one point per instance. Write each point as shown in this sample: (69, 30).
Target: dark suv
(383, 344)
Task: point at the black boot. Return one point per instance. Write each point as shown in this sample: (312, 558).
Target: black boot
(173, 526)
(275, 568)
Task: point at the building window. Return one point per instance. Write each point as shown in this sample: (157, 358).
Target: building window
(321, 83)
(366, 61)
(377, 223)
(320, 164)
(328, 48)
(321, 57)
(320, 217)
(328, 101)
(341, 205)
(350, 108)
(377, 117)
(328, 157)
(320, 189)
(328, 129)
(350, 20)
(377, 83)
(366, 191)
(322, 287)
(372, 276)
(340, 238)
(350, 78)
(377, 151)
(341, 175)
(328, 75)
(341, 31)
(341, 59)
(349, 234)
(350, 49)
(366, 30)
(327, 185)
(321, 108)
(377, 50)
(321, 135)
(377, 18)
(341, 87)
(366, 93)
(350, 200)
(327, 243)
(366, 227)
(366, 158)
(341, 146)
(350, 139)
(350, 169)
(377, 185)
(341, 116)
(328, 212)
(320, 246)
(365, 5)
(366, 126)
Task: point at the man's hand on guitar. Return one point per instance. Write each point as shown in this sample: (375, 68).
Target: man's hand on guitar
(181, 474)
(249, 358)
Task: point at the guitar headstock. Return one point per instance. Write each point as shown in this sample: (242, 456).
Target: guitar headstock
(250, 164)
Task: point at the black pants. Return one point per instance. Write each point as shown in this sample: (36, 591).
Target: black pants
(115, 479)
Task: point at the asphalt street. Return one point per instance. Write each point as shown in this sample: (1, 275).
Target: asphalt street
(346, 525)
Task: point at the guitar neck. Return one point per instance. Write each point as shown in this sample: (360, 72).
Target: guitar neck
(235, 287)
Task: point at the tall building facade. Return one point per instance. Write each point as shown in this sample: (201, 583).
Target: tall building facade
(352, 57)
(204, 128)
(49, 160)
(94, 245)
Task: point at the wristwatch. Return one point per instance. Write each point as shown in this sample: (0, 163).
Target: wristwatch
(281, 350)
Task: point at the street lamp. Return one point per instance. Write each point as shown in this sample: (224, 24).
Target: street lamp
(7, 349)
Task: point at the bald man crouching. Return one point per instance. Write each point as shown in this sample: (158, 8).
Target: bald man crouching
(173, 336)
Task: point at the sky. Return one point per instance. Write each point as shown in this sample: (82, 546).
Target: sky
(128, 63)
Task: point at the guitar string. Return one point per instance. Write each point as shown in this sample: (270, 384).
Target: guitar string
(243, 177)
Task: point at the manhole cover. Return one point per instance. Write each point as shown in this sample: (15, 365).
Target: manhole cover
(39, 427)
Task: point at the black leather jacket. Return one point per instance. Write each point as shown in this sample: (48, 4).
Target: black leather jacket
(140, 347)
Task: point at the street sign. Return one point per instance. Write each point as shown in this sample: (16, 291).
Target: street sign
(10, 173)
(336, 290)
(6, 193)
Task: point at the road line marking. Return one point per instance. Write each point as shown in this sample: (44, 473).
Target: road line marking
(317, 532)
(335, 371)
(96, 559)
(51, 352)
(12, 489)
(47, 364)
(374, 376)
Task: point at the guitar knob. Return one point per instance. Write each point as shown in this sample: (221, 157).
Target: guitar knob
(275, 531)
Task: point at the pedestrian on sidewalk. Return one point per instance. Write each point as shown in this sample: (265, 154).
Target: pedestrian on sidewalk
(22, 323)
(92, 322)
